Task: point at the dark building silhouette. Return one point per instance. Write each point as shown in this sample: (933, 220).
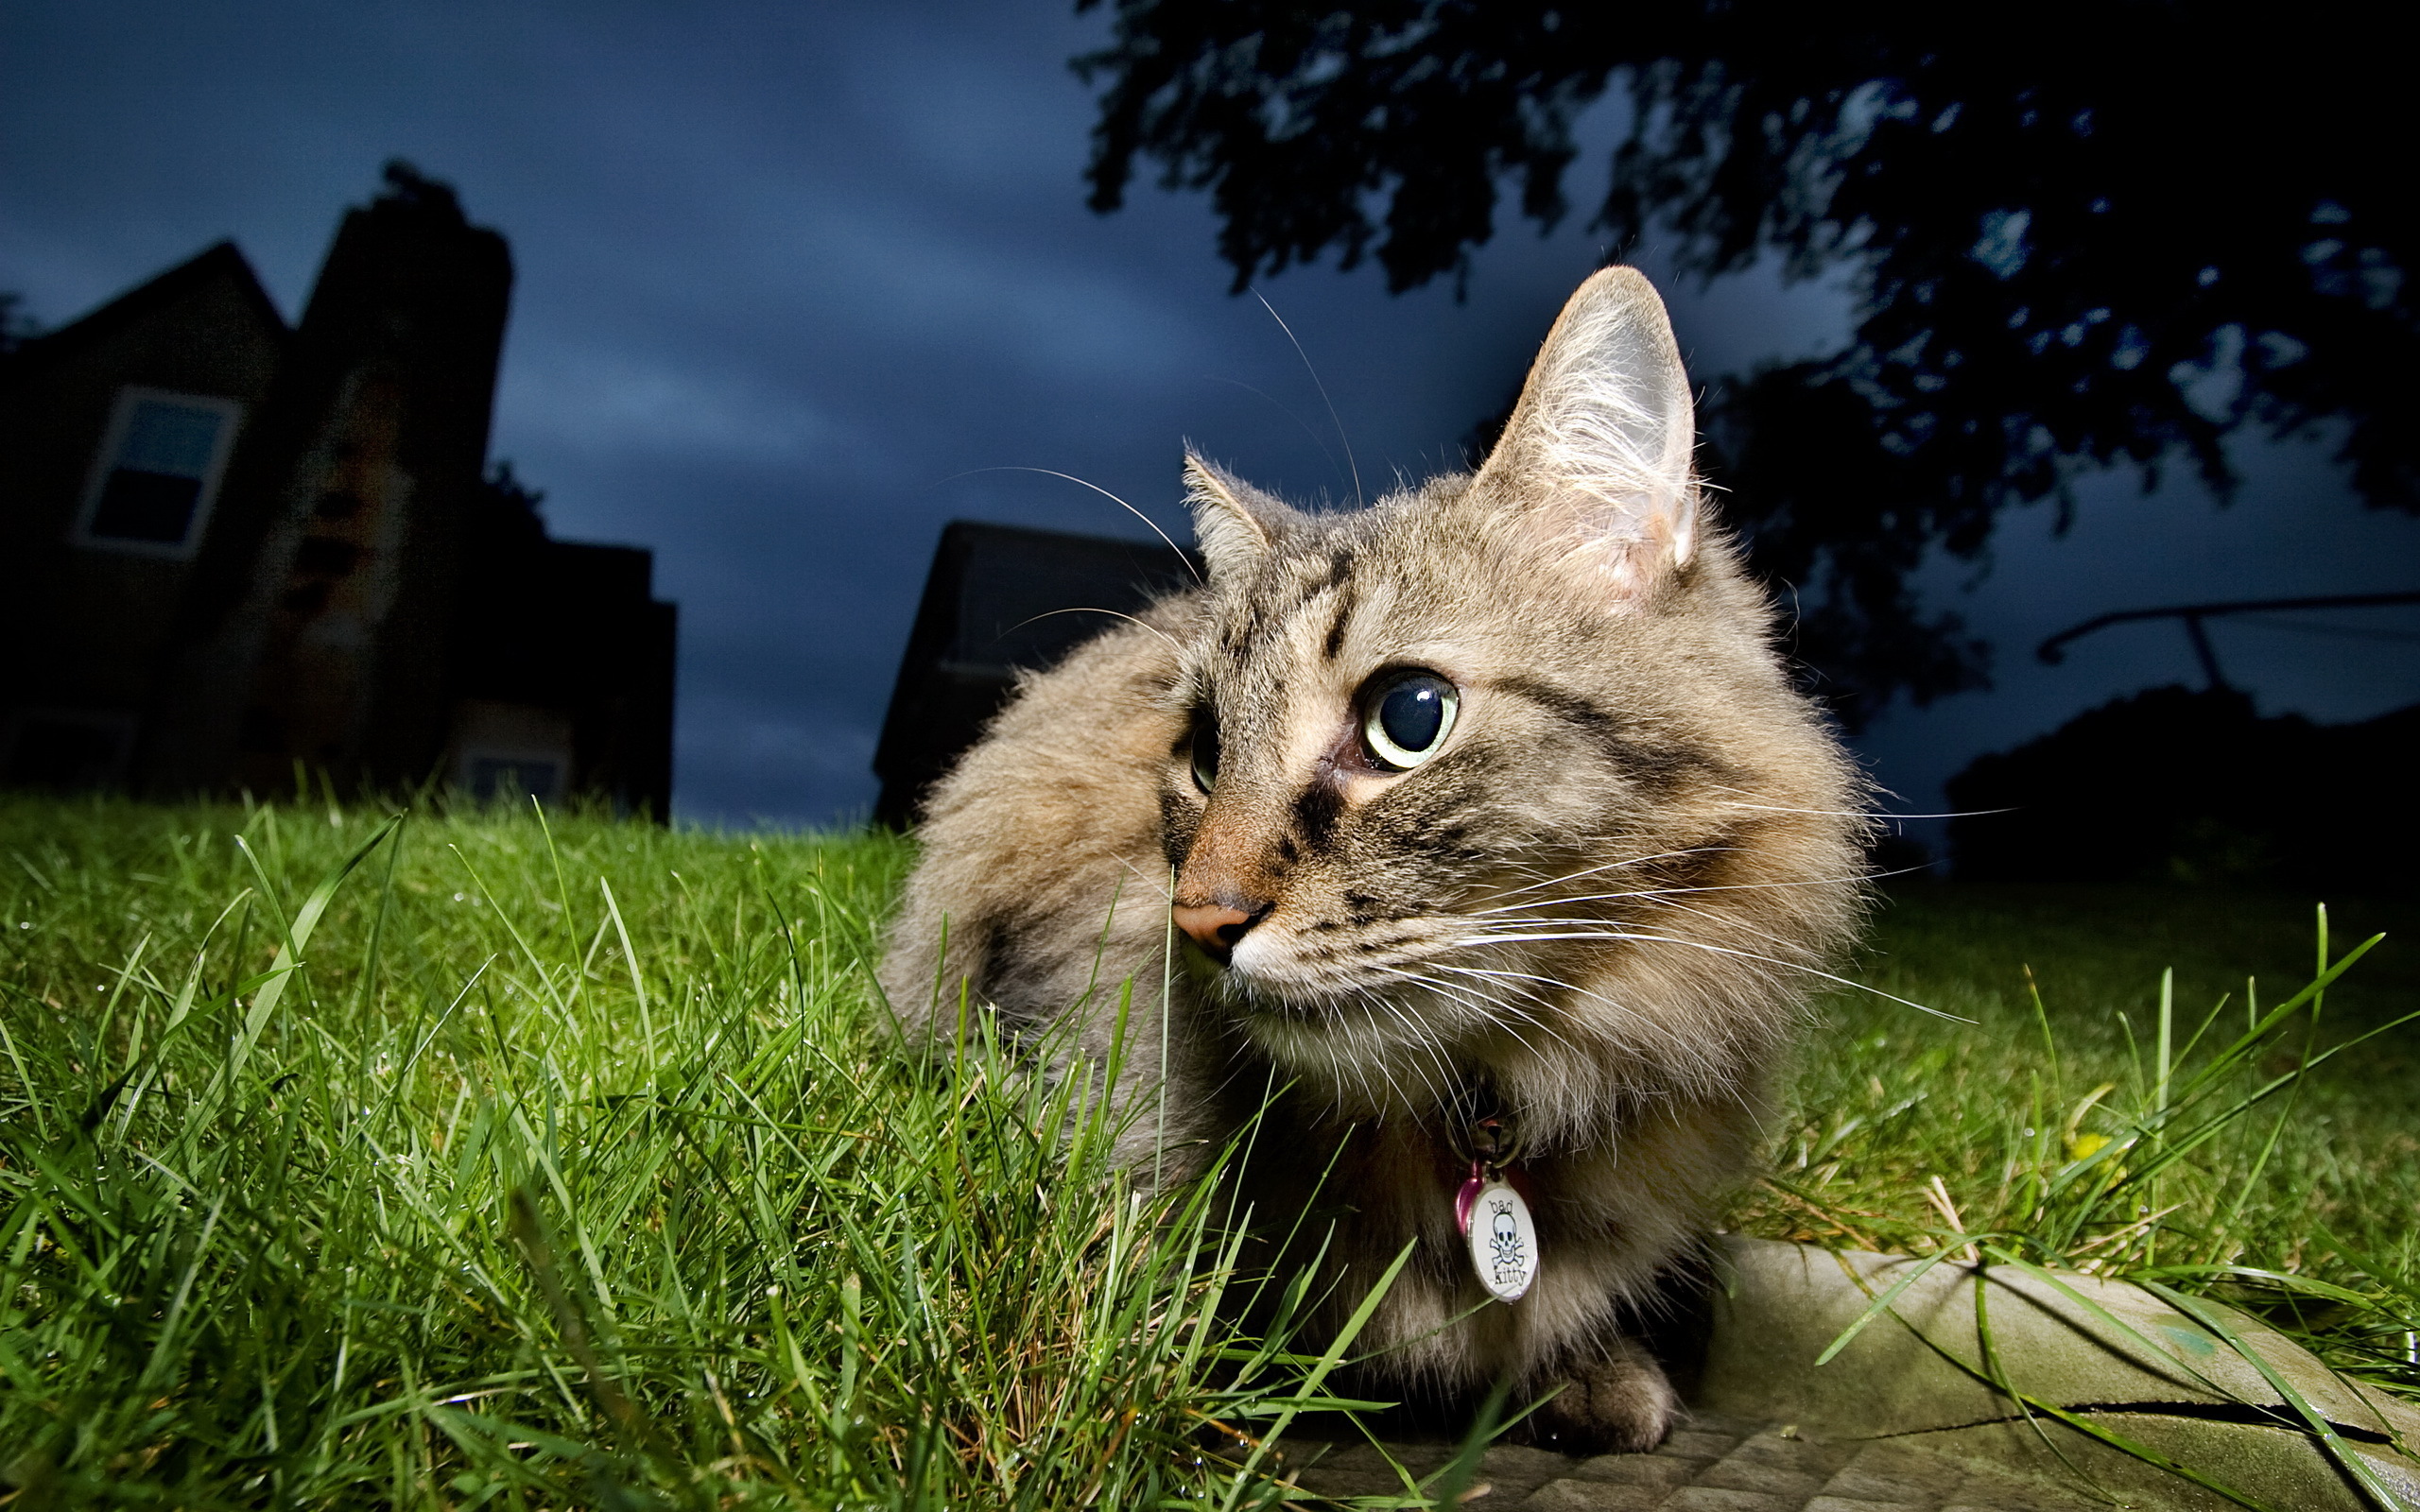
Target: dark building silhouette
(229, 550)
(2195, 786)
(1000, 600)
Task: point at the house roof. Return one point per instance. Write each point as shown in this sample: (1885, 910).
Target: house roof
(221, 260)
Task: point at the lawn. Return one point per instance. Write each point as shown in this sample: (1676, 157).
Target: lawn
(2279, 1170)
(477, 1159)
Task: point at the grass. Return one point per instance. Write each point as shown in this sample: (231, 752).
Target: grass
(2213, 1126)
(483, 1161)
(478, 1163)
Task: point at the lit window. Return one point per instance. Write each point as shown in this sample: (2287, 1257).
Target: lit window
(512, 752)
(514, 778)
(156, 473)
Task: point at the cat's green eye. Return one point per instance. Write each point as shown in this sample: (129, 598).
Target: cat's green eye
(1205, 751)
(1406, 715)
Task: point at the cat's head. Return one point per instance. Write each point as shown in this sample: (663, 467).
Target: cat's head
(1462, 768)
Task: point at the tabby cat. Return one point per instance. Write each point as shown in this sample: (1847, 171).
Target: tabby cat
(1494, 838)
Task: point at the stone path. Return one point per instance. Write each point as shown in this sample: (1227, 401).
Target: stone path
(1714, 1463)
(1905, 1416)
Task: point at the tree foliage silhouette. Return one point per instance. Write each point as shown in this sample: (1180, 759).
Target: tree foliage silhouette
(16, 327)
(2080, 235)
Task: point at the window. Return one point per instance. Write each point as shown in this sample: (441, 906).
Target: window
(514, 778)
(512, 752)
(156, 473)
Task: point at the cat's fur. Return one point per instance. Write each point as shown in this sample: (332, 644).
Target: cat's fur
(1596, 908)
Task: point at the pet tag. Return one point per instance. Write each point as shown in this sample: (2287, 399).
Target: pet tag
(1503, 1241)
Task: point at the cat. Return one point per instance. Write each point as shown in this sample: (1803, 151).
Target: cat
(1497, 844)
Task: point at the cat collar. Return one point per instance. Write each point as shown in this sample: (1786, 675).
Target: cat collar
(1504, 1239)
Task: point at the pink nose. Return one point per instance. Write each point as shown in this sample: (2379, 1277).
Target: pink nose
(1216, 927)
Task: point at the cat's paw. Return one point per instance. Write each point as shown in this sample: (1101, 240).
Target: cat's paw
(1618, 1405)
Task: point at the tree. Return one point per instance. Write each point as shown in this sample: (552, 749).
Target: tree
(2081, 236)
(16, 327)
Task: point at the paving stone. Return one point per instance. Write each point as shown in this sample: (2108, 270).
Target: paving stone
(1788, 1450)
(1715, 1423)
(1855, 1485)
(2003, 1492)
(1326, 1482)
(1737, 1475)
(1360, 1470)
(1697, 1443)
(1637, 1470)
(1726, 1499)
(1336, 1456)
(1516, 1469)
(2007, 1497)
(1594, 1496)
(1897, 1472)
(1418, 1458)
(1718, 1464)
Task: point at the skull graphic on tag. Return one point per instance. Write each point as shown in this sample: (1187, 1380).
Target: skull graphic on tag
(1503, 1241)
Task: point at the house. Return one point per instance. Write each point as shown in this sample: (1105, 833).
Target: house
(235, 555)
(1001, 600)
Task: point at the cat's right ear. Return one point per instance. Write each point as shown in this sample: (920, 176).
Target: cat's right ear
(1596, 460)
(1236, 524)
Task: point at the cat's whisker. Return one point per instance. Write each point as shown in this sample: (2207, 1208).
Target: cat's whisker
(1723, 921)
(1738, 927)
(1670, 904)
(1667, 898)
(1583, 898)
(1490, 1006)
(1500, 974)
(1423, 1046)
(1357, 1050)
(1421, 1040)
(1615, 866)
(1446, 989)
(1286, 410)
(1675, 1041)
(1341, 437)
(1152, 879)
(1086, 608)
(1054, 472)
(1461, 995)
(1720, 949)
(1876, 815)
(1425, 957)
(1516, 1010)
(1697, 887)
(1532, 934)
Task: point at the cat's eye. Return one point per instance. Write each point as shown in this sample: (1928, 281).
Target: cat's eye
(1205, 751)
(1406, 715)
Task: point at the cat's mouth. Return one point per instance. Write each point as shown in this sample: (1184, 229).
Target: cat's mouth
(1257, 976)
(1268, 977)
(1372, 1051)
(1216, 970)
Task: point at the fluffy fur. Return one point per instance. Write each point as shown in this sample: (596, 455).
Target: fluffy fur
(1596, 908)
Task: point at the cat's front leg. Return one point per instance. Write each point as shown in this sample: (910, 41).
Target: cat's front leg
(1617, 1403)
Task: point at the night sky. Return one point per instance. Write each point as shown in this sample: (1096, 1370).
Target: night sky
(798, 281)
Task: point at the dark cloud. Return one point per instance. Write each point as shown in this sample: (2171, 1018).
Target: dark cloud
(796, 280)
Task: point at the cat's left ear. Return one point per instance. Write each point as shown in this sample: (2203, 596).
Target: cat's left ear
(1236, 524)
(1596, 454)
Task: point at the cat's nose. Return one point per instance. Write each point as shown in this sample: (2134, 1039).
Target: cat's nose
(1216, 927)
